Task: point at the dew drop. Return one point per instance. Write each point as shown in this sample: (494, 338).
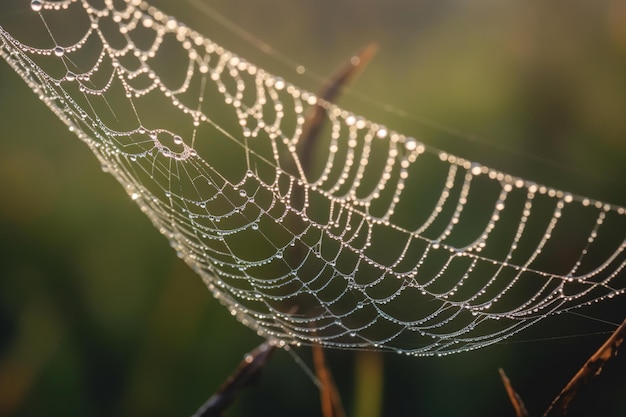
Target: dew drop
(70, 76)
(178, 140)
(410, 144)
(243, 193)
(279, 84)
(59, 51)
(36, 5)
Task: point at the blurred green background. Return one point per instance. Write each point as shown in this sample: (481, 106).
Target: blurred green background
(99, 317)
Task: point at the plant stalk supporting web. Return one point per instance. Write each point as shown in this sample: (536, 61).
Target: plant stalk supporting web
(384, 242)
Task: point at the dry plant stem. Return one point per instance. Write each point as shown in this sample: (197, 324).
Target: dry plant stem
(329, 396)
(245, 375)
(516, 400)
(590, 369)
(315, 116)
(328, 94)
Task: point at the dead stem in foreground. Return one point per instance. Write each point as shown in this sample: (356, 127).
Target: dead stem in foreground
(516, 400)
(246, 374)
(329, 395)
(592, 368)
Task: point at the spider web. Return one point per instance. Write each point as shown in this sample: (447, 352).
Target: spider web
(369, 239)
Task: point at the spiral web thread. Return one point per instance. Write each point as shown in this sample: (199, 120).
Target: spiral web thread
(382, 242)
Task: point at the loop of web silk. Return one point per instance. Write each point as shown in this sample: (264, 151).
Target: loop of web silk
(384, 242)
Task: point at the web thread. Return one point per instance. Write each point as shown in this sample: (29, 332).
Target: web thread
(381, 241)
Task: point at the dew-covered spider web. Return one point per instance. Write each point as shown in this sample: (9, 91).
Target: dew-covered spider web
(363, 238)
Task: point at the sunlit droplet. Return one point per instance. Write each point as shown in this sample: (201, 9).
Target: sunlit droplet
(36, 5)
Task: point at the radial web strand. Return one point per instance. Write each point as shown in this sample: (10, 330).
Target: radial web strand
(377, 241)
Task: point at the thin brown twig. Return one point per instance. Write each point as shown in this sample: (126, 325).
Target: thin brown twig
(516, 400)
(590, 370)
(245, 375)
(328, 94)
(329, 395)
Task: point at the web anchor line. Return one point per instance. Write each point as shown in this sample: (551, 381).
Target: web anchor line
(385, 243)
